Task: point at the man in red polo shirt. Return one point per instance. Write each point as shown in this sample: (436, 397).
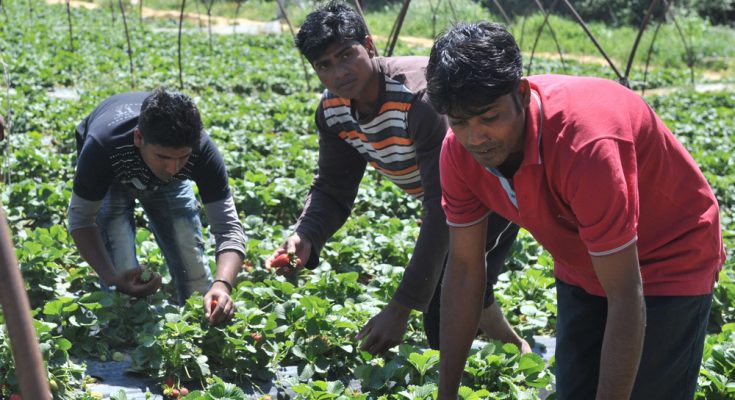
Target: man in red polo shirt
(591, 171)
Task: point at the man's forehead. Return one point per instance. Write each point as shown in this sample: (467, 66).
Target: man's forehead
(172, 152)
(466, 111)
(336, 48)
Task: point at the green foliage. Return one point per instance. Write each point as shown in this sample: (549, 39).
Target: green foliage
(501, 369)
(717, 376)
(252, 96)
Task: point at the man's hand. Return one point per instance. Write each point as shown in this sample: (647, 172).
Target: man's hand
(386, 329)
(132, 282)
(299, 246)
(218, 305)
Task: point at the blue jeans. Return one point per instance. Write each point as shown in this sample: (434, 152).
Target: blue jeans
(173, 214)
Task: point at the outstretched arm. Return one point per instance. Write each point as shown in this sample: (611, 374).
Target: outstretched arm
(461, 303)
(622, 344)
(89, 242)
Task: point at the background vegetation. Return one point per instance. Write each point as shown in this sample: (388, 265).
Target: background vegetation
(256, 105)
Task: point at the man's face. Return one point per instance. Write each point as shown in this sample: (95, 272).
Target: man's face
(165, 162)
(346, 68)
(496, 134)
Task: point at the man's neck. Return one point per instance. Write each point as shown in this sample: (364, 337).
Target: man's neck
(511, 165)
(365, 105)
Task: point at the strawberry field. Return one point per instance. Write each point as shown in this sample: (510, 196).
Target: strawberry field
(253, 97)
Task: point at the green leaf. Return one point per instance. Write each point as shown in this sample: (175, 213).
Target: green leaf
(63, 344)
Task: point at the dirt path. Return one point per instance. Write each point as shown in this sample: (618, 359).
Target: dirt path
(224, 25)
(156, 13)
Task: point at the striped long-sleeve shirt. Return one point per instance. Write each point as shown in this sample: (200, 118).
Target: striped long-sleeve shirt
(402, 140)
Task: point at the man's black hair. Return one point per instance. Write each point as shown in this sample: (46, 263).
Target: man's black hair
(470, 67)
(170, 119)
(333, 22)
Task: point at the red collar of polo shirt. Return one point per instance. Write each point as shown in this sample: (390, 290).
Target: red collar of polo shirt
(534, 131)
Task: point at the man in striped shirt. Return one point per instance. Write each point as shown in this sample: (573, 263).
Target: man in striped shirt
(375, 112)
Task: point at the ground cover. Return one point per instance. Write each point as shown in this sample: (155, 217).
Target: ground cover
(253, 97)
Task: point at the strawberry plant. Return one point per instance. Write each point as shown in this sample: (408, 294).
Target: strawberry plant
(254, 106)
(501, 368)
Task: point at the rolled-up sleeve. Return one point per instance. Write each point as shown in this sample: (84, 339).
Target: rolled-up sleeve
(225, 225)
(82, 212)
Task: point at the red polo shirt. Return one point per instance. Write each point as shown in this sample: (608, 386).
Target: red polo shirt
(600, 171)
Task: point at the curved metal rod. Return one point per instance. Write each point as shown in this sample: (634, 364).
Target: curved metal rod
(579, 19)
(181, 23)
(558, 47)
(453, 10)
(644, 24)
(523, 30)
(358, 7)
(546, 13)
(433, 16)
(130, 47)
(293, 35)
(648, 57)
(71, 33)
(502, 12)
(393, 37)
(29, 369)
(667, 6)
(690, 56)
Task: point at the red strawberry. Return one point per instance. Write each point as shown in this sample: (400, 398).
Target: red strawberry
(256, 336)
(281, 261)
(213, 304)
(175, 393)
(170, 381)
(184, 391)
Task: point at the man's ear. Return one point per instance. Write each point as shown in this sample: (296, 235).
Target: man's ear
(370, 46)
(524, 92)
(137, 138)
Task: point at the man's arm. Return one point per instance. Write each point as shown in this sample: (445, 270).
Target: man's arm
(461, 303)
(218, 303)
(620, 276)
(427, 129)
(230, 240)
(89, 243)
(333, 190)
(90, 246)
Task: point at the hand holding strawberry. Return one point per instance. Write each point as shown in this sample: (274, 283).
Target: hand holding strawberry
(284, 263)
(218, 305)
(291, 256)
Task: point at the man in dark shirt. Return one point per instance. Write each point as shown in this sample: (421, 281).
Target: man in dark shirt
(375, 111)
(150, 147)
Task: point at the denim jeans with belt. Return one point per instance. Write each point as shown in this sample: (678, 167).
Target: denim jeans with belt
(173, 214)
